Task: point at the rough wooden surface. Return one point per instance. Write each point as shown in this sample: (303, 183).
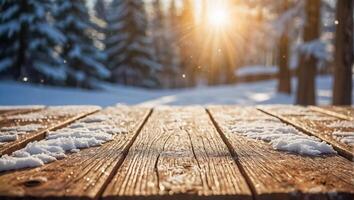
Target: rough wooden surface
(185, 153)
(274, 174)
(49, 119)
(179, 153)
(13, 110)
(342, 112)
(317, 124)
(80, 175)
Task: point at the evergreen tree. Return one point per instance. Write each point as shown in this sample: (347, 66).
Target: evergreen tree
(79, 53)
(99, 20)
(158, 33)
(28, 42)
(164, 44)
(128, 47)
(100, 9)
(173, 56)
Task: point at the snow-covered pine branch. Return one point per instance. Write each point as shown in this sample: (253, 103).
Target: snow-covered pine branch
(79, 53)
(127, 45)
(28, 41)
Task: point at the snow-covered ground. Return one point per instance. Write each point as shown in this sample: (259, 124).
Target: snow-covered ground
(13, 93)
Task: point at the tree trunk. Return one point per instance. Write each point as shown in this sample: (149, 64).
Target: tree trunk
(284, 76)
(342, 89)
(307, 69)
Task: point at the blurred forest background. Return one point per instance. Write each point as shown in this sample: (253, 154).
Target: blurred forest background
(164, 44)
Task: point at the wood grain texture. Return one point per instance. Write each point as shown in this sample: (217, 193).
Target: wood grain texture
(50, 119)
(275, 174)
(342, 112)
(178, 155)
(13, 110)
(81, 175)
(317, 124)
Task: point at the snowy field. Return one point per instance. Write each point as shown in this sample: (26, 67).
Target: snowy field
(13, 93)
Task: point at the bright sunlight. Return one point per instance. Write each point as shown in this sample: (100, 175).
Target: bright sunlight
(218, 16)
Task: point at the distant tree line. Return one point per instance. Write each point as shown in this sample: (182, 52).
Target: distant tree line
(159, 45)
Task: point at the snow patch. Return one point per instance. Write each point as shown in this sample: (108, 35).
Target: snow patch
(255, 70)
(88, 132)
(8, 134)
(282, 137)
(345, 137)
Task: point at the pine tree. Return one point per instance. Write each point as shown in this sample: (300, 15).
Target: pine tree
(99, 20)
(158, 32)
(342, 89)
(163, 34)
(172, 38)
(80, 55)
(128, 47)
(28, 42)
(100, 9)
(308, 63)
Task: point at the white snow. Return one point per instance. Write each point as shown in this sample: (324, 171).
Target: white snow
(255, 70)
(8, 137)
(281, 136)
(263, 92)
(345, 137)
(8, 134)
(87, 132)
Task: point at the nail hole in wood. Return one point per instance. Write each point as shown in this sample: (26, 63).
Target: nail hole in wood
(35, 182)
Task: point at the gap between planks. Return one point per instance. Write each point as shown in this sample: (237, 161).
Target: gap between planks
(338, 146)
(234, 155)
(178, 155)
(329, 111)
(36, 136)
(124, 155)
(274, 174)
(8, 113)
(82, 175)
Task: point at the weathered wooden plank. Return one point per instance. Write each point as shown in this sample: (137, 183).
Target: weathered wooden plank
(32, 126)
(178, 155)
(81, 175)
(274, 174)
(342, 112)
(326, 127)
(13, 110)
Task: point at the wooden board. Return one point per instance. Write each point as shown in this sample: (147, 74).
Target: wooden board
(275, 174)
(178, 153)
(342, 112)
(48, 119)
(13, 110)
(316, 124)
(80, 175)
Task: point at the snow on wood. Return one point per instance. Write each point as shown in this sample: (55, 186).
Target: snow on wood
(88, 132)
(8, 134)
(345, 137)
(282, 137)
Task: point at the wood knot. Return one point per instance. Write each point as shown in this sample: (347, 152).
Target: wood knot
(33, 182)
